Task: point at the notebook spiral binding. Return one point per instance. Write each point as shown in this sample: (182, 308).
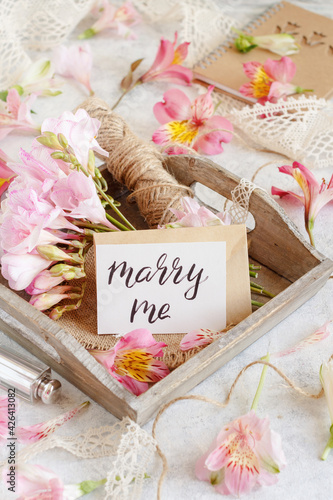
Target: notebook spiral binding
(228, 42)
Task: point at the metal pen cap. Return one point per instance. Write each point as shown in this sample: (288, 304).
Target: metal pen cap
(31, 380)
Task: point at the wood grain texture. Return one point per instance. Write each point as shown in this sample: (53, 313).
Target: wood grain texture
(293, 269)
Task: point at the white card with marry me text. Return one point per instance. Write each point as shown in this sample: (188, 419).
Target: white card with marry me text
(171, 280)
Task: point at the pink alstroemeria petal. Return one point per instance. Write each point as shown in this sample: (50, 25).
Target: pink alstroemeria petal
(134, 386)
(175, 106)
(203, 107)
(173, 74)
(319, 335)
(164, 56)
(280, 192)
(198, 338)
(33, 433)
(251, 68)
(283, 70)
(247, 90)
(105, 358)
(278, 90)
(140, 339)
(181, 53)
(212, 135)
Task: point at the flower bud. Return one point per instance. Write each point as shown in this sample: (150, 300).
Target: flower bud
(44, 301)
(59, 155)
(91, 163)
(62, 141)
(52, 252)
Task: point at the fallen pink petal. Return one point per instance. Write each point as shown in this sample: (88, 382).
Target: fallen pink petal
(320, 334)
(33, 433)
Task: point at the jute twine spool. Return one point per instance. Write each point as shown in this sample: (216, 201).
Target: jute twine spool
(138, 165)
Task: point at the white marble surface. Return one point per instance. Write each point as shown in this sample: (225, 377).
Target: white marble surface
(188, 427)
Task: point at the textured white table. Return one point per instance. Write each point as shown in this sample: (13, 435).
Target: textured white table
(188, 427)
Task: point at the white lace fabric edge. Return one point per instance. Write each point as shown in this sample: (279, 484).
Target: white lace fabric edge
(131, 447)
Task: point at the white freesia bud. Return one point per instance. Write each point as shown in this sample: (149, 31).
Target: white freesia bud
(326, 378)
(281, 43)
(39, 78)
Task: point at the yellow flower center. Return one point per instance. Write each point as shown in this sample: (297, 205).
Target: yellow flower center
(261, 84)
(182, 132)
(135, 364)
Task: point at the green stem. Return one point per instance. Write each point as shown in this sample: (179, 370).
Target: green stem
(256, 303)
(253, 274)
(329, 445)
(261, 291)
(254, 267)
(309, 231)
(261, 383)
(93, 226)
(108, 200)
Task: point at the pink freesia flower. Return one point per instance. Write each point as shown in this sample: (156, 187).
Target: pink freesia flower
(74, 62)
(32, 433)
(199, 338)
(80, 130)
(194, 215)
(315, 195)
(270, 81)
(320, 334)
(121, 19)
(167, 65)
(50, 278)
(20, 270)
(245, 453)
(192, 125)
(132, 360)
(6, 174)
(48, 299)
(35, 482)
(15, 115)
(77, 197)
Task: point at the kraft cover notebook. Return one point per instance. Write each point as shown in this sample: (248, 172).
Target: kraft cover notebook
(314, 62)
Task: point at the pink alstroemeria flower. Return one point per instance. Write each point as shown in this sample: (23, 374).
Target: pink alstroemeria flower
(190, 124)
(32, 433)
(35, 482)
(245, 453)
(195, 215)
(270, 81)
(74, 62)
(121, 19)
(80, 131)
(15, 115)
(316, 195)
(167, 65)
(6, 174)
(199, 338)
(132, 360)
(50, 278)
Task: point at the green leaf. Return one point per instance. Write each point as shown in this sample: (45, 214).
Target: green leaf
(3, 95)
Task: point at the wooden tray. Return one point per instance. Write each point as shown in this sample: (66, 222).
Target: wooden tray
(291, 268)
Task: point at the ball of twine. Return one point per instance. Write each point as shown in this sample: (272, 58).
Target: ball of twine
(138, 165)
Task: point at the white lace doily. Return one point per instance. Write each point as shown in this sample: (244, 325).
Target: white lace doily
(301, 129)
(37, 25)
(130, 450)
(195, 16)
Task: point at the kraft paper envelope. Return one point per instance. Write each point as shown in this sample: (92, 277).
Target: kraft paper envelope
(172, 280)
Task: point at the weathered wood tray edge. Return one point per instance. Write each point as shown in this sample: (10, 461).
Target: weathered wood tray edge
(44, 337)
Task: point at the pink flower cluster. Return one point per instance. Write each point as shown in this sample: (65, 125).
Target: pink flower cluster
(43, 202)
